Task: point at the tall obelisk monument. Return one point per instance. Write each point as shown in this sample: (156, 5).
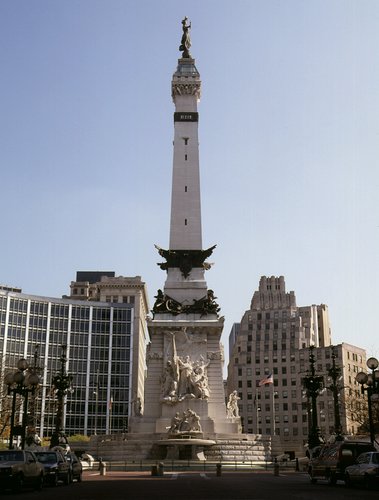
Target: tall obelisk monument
(184, 393)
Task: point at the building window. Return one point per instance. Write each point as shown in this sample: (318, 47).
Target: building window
(185, 140)
(185, 222)
(185, 189)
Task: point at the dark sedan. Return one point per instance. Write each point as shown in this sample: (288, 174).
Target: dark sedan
(56, 467)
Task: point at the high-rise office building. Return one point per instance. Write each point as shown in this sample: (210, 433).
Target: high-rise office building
(105, 342)
(272, 345)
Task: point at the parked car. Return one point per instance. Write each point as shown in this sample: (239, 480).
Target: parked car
(57, 468)
(75, 465)
(365, 471)
(20, 468)
(331, 460)
(87, 461)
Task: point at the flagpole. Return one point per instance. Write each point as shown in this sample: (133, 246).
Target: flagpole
(256, 408)
(110, 413)
(273, 410)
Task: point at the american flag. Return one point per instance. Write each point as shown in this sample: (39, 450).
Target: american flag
(268, 379)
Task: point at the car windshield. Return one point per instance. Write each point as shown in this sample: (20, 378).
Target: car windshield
(11, 456)
(375, 458)
(46, 458)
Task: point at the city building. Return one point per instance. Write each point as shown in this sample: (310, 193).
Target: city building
(270, 358)
(105, 339)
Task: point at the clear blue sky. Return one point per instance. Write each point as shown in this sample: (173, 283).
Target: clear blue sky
(289, 147)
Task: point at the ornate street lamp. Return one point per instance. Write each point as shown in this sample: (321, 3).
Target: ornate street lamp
(62, 383)
(313, 385)
(370, 384)
(31, 431)
(22, 381)
(335, 374)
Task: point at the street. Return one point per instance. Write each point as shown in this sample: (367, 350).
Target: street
(197, 486)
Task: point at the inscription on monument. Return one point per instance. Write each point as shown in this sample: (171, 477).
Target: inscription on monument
(180, 116)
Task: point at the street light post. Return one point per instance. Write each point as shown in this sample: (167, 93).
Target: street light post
(313, 384)
(62, 382)
(371, 381)
(335, 373)
(22, 381)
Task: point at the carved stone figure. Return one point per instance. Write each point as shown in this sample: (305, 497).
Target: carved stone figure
(137, 407)
(185, 382)
(194, 421)
(232, 406)
(199, 379)
(175, 424)
(185, 43)
(189, 422)
(169, 381)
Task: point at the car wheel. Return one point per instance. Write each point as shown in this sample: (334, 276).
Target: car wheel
(68, 479)
(313, 479)
(348, 481)
(19, 483)
(367, 482)
(332, 480)
(39, 483)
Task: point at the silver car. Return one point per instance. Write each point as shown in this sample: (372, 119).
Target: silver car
(364, 471)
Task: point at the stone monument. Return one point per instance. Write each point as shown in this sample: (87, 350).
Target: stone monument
(184, 391)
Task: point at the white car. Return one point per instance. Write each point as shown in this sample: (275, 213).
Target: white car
(365, 471)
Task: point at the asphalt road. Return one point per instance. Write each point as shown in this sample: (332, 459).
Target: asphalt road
(196, 486)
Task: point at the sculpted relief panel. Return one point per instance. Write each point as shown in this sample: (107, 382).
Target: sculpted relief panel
(185, 369)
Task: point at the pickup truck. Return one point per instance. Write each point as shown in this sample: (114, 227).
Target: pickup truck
(19, 468)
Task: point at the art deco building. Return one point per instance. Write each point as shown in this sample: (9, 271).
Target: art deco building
(273, 339)
(105, 349)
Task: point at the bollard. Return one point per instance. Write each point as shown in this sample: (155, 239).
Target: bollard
(103, 468)
(297, 468)
(160, 469)
(276, 468)
(218, 469)
(154, 470)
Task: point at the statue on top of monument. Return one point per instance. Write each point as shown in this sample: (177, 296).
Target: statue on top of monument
(185, 43)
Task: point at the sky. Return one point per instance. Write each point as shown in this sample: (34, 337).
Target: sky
(289, 147)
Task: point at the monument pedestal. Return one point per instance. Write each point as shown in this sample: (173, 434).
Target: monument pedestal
(184, 374)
